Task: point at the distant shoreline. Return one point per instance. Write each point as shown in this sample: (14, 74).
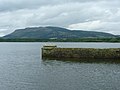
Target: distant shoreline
(113, 40)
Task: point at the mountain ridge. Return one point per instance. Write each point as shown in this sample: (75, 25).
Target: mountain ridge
(55, 33)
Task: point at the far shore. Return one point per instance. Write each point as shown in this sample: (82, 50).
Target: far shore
(113, 40)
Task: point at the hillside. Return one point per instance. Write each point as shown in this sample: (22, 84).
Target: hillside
(54, 33)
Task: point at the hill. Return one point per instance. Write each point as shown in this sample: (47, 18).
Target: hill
(55, 33)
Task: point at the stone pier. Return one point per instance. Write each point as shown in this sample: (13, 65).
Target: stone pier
(80, 53)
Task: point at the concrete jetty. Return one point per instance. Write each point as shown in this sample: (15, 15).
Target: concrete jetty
(52, 51)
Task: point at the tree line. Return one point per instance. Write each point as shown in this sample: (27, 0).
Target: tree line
(62, 40)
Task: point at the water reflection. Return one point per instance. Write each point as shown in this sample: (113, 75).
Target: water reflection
(70, 74)
(71, 60)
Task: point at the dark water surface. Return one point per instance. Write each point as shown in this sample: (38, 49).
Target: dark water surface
(21, 68)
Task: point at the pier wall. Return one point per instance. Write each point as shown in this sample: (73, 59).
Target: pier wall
(81, 53)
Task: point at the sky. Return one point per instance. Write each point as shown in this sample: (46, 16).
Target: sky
(89, 15)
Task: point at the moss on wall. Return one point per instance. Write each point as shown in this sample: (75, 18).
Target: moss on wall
(111, 53)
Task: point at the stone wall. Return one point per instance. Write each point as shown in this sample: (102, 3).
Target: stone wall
(82, 53)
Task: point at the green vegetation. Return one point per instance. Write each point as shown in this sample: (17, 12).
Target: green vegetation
(62, 40)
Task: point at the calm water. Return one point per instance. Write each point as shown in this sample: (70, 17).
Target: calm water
(21, 68)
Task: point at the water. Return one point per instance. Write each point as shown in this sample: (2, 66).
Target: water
(21, 68)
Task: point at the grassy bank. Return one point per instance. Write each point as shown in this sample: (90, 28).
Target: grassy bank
(62, 40)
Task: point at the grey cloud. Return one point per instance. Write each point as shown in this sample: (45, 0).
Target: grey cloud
(9, 5)
(23, 13)
(66, 14)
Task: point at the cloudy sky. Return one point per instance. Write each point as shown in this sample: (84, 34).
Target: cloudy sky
(95, 15)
